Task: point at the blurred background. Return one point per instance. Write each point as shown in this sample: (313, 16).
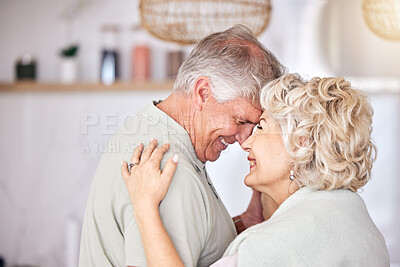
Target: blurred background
(72, 71)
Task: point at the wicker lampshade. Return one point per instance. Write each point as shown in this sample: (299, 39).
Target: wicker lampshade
(187, 21)
(383, 17)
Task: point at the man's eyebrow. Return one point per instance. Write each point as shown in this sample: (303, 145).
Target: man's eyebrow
(251, 122)
(246, 120)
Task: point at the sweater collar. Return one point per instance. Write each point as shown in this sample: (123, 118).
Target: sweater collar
(293, 200)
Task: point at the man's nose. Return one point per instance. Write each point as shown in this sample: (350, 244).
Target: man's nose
(244, 133)
(246, 144)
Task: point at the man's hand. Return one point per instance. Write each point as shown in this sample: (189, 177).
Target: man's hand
(254, 212)
(269, 206)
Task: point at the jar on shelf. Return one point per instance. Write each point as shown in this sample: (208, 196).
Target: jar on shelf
(175, 59)
(141, 55)
(25, 68)
(109, 70)
(141, 62)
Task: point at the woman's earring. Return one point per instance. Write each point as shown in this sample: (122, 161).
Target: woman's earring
(291, 177)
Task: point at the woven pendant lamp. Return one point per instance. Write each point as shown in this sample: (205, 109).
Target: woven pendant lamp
(186, 22)
(383, 17)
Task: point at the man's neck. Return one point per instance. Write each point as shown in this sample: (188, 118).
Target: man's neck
(178, 107)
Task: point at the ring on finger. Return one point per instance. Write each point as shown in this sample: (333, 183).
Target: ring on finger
(132, 164)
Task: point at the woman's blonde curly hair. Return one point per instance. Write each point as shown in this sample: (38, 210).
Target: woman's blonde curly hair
(326, 128)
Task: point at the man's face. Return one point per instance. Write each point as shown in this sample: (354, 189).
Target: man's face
(222, 124)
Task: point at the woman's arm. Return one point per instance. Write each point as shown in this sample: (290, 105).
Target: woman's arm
(147, 186)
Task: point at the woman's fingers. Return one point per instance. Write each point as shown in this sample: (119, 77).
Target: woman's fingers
(151, 152)
(153, 156)
(158, 154)
(146, 184)
(124, 171)
(136, 154)
(149, 149)
(170, 169)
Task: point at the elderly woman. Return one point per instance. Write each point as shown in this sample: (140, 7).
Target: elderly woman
(309, 155)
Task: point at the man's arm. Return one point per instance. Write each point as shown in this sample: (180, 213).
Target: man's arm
(253, 215)
(269, 206)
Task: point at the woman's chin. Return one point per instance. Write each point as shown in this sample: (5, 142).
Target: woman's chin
(247, 180)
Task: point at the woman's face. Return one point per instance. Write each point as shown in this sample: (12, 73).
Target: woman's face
(269, 162)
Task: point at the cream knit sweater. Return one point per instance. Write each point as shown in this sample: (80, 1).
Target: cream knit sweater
(313, 228)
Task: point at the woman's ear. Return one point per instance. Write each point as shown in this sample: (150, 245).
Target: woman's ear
(201, 91)
(304, 141)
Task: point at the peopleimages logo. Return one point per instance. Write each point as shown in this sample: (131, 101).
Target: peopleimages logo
(98, 129)
(106, 123)
(109, 123)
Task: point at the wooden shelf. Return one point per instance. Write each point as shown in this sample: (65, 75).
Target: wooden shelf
(86, 87)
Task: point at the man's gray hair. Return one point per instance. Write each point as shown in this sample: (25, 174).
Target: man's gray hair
(235, 62)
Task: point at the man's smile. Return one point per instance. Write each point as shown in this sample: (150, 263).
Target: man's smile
(223, 141)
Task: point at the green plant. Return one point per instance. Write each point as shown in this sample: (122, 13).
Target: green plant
(70, 51)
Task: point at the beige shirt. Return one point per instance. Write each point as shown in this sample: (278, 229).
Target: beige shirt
(192, 212)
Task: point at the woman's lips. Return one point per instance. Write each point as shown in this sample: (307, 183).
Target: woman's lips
(252, 162)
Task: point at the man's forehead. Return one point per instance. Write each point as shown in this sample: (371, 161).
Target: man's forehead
(248, 112)
(245, 103)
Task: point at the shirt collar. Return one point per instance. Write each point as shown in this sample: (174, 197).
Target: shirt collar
(171, 127)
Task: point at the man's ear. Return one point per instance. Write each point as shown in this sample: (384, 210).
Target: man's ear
(202, 91)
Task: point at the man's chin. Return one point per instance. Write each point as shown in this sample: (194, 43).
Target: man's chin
(207, 157)
(214, 157)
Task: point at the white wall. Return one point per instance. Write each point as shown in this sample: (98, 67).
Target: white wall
(362, 53)
(45, 175)
(309, 36)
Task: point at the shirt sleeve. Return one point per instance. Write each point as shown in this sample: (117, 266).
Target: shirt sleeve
(184, 215)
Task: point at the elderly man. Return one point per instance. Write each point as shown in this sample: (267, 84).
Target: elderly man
(215, 103)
